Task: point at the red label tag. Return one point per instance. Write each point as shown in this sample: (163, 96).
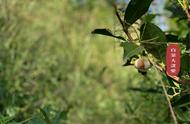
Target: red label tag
(173, 60)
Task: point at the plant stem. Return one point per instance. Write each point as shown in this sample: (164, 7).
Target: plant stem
(185, 6)
(125, 29)
(173, 78)
(166, 94)
(169, 103)
(188, 14)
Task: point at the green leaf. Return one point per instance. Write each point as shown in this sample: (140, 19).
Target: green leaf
(149, 17)
(182, 115)
(46, 118)
(171, 82)
(61, 116)
(135, 9)
(187, 39)
(107, 32)
(173, 39)
(5, 120)
(129, 108)
(154, 41)
(127, 63)
(170, 91)
(36, 120)
(185, 63)
(176, 10)
(131, 50)
(182, 101)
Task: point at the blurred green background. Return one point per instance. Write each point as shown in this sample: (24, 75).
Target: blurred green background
(48, 58)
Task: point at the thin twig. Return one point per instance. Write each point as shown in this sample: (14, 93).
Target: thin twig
(188, 14)
(158, 68)
(125, 29)
(185, 6)
(169, 103)
(173, 78)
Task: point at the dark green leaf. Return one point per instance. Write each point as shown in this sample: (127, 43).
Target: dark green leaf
(175, 9)
(149, 17)
(46, 118)
(127, 63)
(142, 72)
(5, 120)
(170, 81)
(170, 91)
(60, 116)
(154, 41)
(131, 50)
(187, 43)
(182, 115)
(129, 108)
(135, 9)
(107, 32)
(182, 101)
(173, 39)
(36, 120)
(185, 63)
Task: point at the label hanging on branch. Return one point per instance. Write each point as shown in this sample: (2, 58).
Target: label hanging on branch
(173, 60)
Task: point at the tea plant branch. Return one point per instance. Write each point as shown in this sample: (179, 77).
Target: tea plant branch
(169, 103)
(188, 15)
(173, 78)
(185, 6)
(125, 29)
(135, 30)
(158, 68)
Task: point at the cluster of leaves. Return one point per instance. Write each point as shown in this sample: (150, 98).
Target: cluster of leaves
(152, 43)
(47, 115)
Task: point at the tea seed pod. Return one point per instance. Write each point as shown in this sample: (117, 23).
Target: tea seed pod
(142, 64)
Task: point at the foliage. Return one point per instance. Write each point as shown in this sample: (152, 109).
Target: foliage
(53, 71)
(154, 41)
(49, 60)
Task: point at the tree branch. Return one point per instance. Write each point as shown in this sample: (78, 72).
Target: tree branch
(125, 29)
